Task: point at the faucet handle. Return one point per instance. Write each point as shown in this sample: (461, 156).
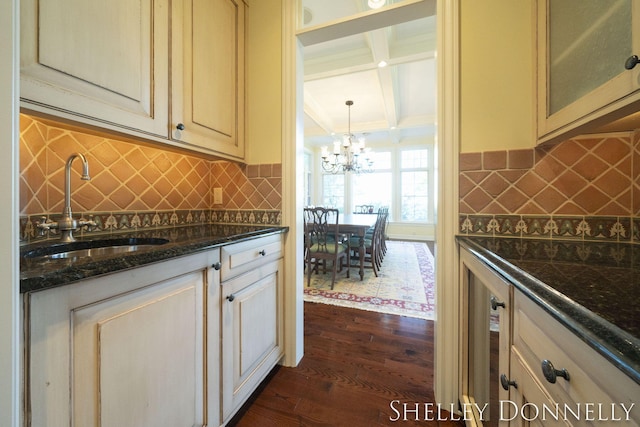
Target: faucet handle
(90, 224)
(44, 225)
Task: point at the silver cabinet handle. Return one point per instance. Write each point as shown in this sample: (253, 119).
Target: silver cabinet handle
(263, 252)
(231, 297)
(551, 373)
(217, 266)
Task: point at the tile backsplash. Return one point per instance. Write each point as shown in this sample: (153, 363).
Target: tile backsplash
(585, 188)
(137, 185)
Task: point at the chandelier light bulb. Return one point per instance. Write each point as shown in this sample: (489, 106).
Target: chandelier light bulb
(376, 4)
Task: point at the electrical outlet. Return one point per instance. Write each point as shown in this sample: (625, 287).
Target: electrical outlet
(217, 196)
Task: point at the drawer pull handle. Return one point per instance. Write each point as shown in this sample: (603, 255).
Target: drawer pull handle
(231, 297)
(263, 252)
(217, 266)
(495, 303)
(506, 383)
(180, 126)
(551, 373)
(631, 62)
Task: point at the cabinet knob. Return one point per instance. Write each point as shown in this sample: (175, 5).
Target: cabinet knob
(217, 266)
(231, 297)
(506, 382)
(631, 62)
(180, 126)
(263, 252)
(551, 373)
(495, 303)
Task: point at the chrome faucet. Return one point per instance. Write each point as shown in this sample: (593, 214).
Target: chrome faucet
(67, 224)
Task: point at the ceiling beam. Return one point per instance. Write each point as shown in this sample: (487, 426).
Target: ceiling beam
(379, 44)
(367, 21)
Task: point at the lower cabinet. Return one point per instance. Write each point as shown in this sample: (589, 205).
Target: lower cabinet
(251, 322)
(486, 340)
(560, 379)
(520, 366)
(163, 345)
(126, 349)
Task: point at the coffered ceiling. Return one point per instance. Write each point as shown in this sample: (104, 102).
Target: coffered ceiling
(344, 42)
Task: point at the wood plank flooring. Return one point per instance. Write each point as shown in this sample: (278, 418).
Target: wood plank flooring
(355, 364)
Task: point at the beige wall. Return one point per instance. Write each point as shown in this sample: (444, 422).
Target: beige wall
(497, 75)
(264, 82)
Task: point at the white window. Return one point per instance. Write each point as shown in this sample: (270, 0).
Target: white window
(402, 180)
(414, 185)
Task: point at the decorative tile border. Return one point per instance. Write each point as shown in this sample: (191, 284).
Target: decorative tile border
(117, 222)
(619, 229)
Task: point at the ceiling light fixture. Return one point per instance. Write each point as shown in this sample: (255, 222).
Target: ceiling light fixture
(382, 64)
(376, 4)
(348, 156)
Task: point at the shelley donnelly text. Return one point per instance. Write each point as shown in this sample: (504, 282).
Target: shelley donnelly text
(509, 410)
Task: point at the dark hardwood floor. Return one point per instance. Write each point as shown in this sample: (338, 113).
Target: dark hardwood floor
(356, 363)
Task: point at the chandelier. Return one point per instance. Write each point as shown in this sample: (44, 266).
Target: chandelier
(350, 155)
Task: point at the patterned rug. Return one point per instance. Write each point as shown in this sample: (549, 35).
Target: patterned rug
(404, 286)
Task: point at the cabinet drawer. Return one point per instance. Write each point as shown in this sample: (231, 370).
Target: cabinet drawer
(241, 257)
(592, 379)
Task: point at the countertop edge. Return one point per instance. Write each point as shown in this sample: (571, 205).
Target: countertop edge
(575, 317)
(70, 274)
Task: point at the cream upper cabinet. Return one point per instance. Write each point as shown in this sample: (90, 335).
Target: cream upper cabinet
(119, 66)
(105, 62)
(582, 49)
(207, 105)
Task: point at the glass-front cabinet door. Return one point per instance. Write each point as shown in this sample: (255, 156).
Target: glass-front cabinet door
(585, 73)
(486, 335)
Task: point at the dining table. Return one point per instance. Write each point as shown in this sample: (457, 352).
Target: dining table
(357, 225)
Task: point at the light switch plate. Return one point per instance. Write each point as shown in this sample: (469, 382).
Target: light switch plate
(217, 196)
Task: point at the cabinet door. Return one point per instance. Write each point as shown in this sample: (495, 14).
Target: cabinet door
(103, 63)
(121, 350)
(487, 338)
(207, 94)
(582, 49)
(251, 333)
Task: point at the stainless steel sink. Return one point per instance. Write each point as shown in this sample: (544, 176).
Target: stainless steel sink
(93, 248)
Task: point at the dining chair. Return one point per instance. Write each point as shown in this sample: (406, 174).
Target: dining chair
(323, 241)
(372, 243)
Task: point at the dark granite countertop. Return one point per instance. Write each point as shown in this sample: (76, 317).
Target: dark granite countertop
(590, 287)
(42, 273)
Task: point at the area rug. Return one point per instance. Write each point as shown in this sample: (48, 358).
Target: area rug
(404, 286)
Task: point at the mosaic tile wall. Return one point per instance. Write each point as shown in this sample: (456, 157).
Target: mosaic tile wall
(134, 185)
(584, 188)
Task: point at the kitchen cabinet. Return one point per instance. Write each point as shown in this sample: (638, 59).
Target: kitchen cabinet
(486, 339)
(582, 82)
(251, 317)
(536, 371)
(126, 349)
(100, 63)
(553, 367)
(167, 73)
(207, 104)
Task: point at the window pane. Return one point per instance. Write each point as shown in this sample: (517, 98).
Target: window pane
(414, 196)
(333, 191)
(414, 159)
(373, 189)
(381, 160)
